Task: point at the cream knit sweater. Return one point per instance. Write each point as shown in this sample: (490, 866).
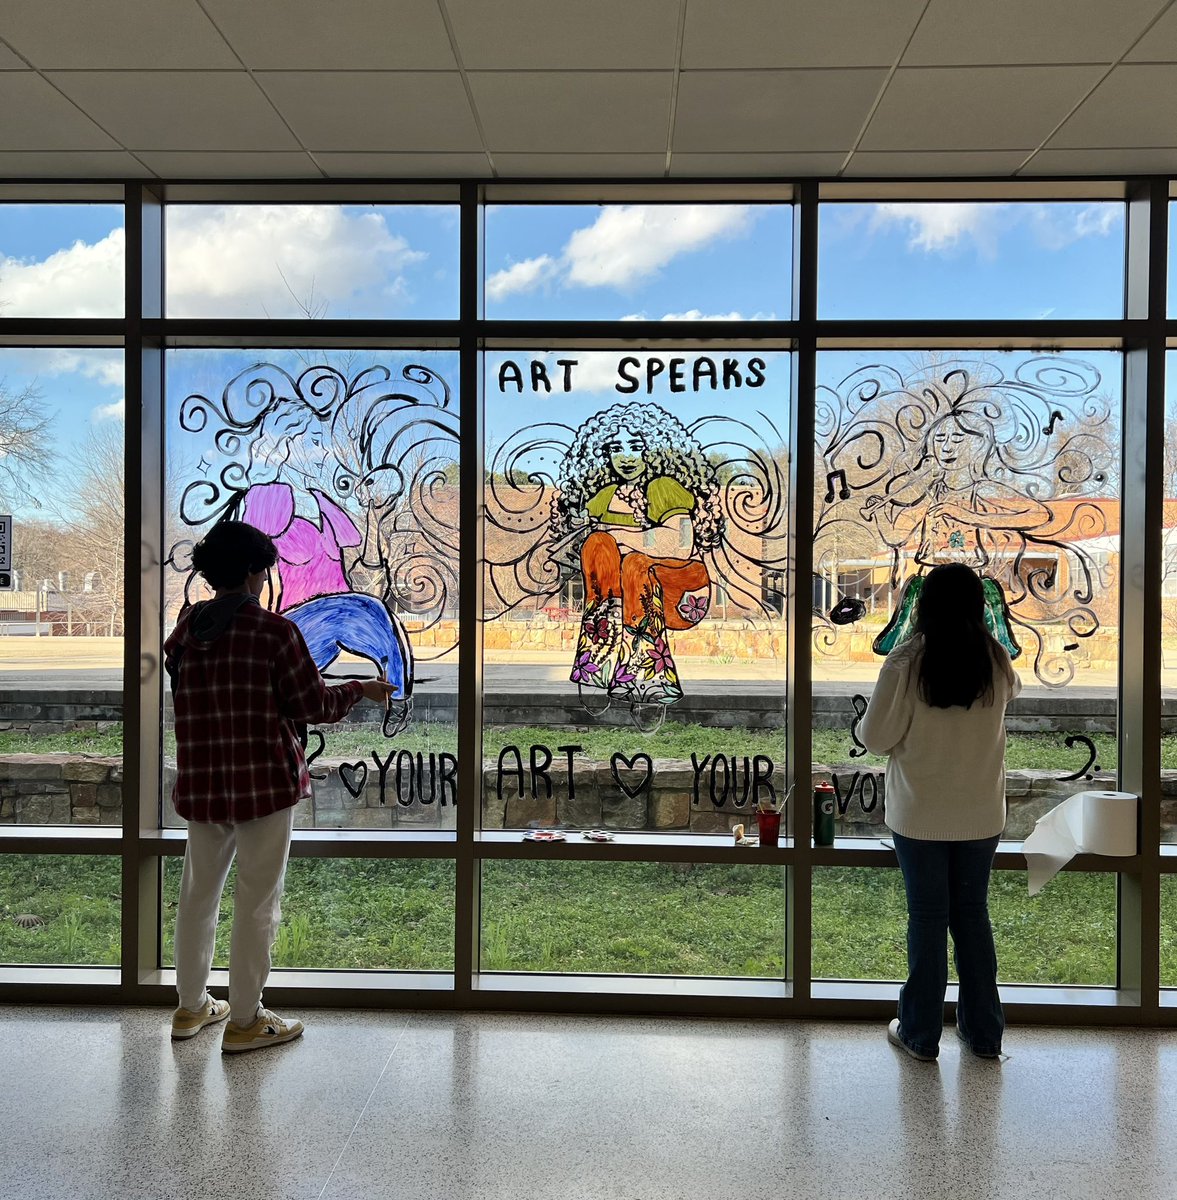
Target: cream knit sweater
(946, 770)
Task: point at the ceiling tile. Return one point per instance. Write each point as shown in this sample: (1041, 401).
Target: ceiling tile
(1006, 32)
(915, 164)
(71, 164)
(1103, 162)
(178, 110)
(975, 108)
(37, 117)
(733, 166)
(1134, 106)
(772, 110)
(767, 33)
(403, 166)
(601, 166)
(565, 34)
(1160, 43)
(284, 164)
(82, 34)
(343, 35)
(575, 112)
(10, 61)
(370, 110)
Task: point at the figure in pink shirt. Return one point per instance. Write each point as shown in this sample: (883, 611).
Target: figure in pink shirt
(314, 593)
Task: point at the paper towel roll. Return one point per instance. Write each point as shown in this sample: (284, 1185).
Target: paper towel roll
(1086, 823)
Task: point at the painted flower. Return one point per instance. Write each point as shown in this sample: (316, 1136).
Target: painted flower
(660, 655)
(624, 675)
(693, 608)
(596, 628)
(584, 669)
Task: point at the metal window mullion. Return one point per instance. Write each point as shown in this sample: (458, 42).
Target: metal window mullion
(467, 872)
(1142, 508)
(141, 609)
(799, 686)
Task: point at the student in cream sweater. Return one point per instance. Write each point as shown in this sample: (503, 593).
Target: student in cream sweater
(938, 712)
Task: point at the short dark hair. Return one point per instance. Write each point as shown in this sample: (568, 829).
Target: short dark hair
(230, 552)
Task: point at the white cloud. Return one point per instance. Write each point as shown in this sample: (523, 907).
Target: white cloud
(267, 260)
(520, 277)
(82, 280)
(697, 314)
(630, 242)
(105, 366)
(941, 226)
(624, 245)
(115, 411)
(1056, 229)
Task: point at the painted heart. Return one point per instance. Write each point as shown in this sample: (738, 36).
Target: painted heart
(631, 764)
(354, 776)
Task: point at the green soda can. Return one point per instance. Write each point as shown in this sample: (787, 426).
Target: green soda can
(823, 814)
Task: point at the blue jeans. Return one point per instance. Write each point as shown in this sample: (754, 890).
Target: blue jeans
(947, 886)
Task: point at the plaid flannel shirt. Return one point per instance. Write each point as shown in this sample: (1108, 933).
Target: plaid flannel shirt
(237, 702)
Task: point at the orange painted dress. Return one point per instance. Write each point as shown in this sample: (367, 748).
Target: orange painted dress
(633, 599)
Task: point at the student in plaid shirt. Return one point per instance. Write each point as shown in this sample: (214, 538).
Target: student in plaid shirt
(243, 681)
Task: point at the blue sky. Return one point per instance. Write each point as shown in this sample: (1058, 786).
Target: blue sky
(565, 262)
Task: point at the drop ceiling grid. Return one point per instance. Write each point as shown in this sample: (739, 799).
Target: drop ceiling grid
(572, 88)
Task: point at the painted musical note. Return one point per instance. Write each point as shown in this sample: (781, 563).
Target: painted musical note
(1085, 771)
(1055, 417)
(838, 476)
(859, 703)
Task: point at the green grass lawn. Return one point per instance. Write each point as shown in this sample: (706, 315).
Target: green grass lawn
(642, 918)
(1042, 751)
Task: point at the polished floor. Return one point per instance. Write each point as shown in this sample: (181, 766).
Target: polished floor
(100, 1103)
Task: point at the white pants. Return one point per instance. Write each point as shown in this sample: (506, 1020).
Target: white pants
(261, 847)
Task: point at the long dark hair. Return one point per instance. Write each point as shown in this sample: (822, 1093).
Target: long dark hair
(956, 666)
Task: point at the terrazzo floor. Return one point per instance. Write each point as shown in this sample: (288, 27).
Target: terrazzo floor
(99, 1102)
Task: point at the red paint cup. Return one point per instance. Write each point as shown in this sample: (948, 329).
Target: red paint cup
(768, 825)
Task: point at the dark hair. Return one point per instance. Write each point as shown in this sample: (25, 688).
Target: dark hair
(956, 665)
(230, 552)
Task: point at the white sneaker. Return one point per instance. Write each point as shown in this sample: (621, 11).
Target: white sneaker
(268, 1030)
(892, 1036)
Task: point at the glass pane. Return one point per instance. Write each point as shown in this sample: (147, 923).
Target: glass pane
(61, 617)
(62, 260)
(1064, 935)
(1168, 931)
(345, 914)
(1031, 502)
(631, 262)
(349, 461)
(980, 259)
(339, 261)
(636, 547)
(633, 918)
(60, 910)
(1169, 603)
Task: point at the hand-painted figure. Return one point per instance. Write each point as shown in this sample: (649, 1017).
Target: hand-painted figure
(638, 505)
(314, 593)
(949, 507)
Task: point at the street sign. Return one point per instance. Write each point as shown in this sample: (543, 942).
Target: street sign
(5, 554)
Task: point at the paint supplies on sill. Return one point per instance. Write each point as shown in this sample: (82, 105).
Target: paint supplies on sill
(740, 839)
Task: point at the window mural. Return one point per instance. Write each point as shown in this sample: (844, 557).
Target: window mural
(969, 465)
(351, 468)
(636, 550)
(1008, 463)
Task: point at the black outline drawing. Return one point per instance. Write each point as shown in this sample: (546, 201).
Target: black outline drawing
(965, 464)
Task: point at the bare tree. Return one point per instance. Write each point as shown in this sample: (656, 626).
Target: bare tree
(95, 519)
(25, 450)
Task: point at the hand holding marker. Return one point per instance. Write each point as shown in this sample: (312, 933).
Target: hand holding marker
(377, 690)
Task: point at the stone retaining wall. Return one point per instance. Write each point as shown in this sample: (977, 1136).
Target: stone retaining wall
(63, 789)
